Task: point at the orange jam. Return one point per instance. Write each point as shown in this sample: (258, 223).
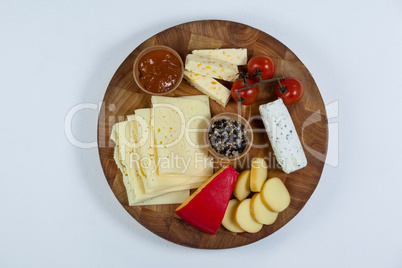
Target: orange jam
(159, 71)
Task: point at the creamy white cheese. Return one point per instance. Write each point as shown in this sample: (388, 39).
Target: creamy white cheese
(283, 136)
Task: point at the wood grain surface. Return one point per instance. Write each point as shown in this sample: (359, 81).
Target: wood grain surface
(123, 96)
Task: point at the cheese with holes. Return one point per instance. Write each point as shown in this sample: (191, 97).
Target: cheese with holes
(178, 125)
(212, 68)
(122, 135)
(237, 56)
(148, 162)
(209, 86)
(283, 136)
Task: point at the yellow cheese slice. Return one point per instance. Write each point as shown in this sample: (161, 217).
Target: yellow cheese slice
(132, 182)
(178, 125)
(147, 160)
(237, 56)
(168, 198)
(209, 86)
(212, 68)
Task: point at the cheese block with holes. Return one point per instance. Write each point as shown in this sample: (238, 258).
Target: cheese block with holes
(209, 86)
(146, 159)
(212, 68)
(237, 56)
(176, 125)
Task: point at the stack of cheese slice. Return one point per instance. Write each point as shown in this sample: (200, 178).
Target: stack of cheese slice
(160, 152)
(203, 66)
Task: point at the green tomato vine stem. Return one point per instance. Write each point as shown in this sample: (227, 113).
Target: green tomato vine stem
(260, 81)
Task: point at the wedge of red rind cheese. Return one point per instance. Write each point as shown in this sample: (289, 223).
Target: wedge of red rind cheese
(283, 136)
(206, 207)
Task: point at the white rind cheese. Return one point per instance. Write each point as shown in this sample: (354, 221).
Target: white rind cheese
(212, 68)
(283, 136)
(237, 56)
(209, 86)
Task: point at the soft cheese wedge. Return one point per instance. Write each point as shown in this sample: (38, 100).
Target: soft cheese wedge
(212, 68)
(237, 56)
(283, 136)
(206, 207)
(209, 86)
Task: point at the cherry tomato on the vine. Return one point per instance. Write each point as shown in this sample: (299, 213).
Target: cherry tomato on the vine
(291, 91)
(249, 95)
(263, 63)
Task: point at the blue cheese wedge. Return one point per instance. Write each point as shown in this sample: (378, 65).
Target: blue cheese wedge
(236, 56)
(212, 68)
(283, 136)
(209, 87)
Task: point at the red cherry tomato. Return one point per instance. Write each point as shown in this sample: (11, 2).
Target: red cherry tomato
(249, 95)
(291, 91)
(263, 63)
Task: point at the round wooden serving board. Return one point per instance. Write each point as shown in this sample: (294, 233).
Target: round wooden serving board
(123, 96)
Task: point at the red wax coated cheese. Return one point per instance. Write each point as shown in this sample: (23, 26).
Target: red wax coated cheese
(205, 208)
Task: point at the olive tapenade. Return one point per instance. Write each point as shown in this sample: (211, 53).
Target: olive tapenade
(228, 137)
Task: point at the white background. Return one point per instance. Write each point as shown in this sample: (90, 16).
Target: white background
(56, 207)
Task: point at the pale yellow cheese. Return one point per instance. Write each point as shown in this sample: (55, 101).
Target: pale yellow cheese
(132, 182)
(153, 181)
(237, 56)
(179, 150)
(244, 219)
(260, 212)
(209, 86)
(168, 198)
(212, 68)
(242, 187)
(274, 195)
(229, 221)
(145, 158)
(258, 175)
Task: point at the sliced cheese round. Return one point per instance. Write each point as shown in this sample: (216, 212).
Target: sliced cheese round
(242, 186)
(229, 221)
(274, 195)
(244, 218)
(259, 174)
(260, 212)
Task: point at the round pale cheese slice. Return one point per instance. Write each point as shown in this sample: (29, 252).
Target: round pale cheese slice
(274, 195)
(242, 186)
(260, 212)
(244, 218)
(229, 221)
